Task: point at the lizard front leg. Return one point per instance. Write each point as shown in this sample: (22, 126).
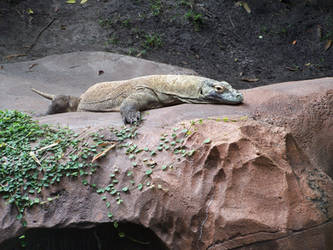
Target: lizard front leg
(136, 102)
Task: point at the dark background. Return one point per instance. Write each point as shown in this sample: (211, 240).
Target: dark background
(278, 41)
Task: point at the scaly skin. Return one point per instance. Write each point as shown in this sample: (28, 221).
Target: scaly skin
(148, 92)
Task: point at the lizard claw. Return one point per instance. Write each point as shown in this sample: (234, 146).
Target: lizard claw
(131, 116)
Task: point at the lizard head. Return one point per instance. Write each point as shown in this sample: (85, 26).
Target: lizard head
(220, 92)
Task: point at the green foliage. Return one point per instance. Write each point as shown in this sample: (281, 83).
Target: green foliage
(34, 157)
(105, 23)
(185, 3)
(156, 7)
(74, 1)
(132, 52)
(207, 141)
(152, 40)
(113, 40)
(195, 18)
(125, 23)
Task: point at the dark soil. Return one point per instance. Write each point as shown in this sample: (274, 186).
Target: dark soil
(280, 40)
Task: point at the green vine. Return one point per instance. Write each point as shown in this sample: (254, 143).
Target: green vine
(34, 157)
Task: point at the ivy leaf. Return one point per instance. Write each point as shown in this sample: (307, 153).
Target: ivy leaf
(30, 11)
(140, 186)
(83, 1)
(100, 190)
(191, 152)
(207, 141)
(149, 172)
(71, 1)
(24, 223)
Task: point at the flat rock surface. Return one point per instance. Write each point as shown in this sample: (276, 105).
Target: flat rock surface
(71, 74)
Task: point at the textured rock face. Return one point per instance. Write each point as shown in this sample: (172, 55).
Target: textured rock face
(250, 183)
(245, 188)
(309, 118)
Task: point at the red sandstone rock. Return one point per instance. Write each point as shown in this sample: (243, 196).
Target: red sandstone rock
(251, 183)
(257, 184)
(310, 120)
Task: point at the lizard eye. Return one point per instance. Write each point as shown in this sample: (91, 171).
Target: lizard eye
(219, 89)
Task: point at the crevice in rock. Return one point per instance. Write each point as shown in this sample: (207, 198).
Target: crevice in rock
(202, 224)
(99, 237)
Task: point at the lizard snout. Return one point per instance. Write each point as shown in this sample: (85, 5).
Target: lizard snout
(239, 96)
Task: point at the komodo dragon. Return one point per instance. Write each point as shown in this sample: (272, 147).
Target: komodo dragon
(142, 93)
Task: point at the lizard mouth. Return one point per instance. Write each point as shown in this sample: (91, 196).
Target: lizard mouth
(226, 97)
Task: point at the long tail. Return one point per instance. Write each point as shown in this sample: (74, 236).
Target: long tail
(47, 96)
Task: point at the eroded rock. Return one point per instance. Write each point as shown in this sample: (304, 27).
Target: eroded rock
(310, 120)
(246, 182)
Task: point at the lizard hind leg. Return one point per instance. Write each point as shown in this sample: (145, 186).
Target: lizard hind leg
(62, 104)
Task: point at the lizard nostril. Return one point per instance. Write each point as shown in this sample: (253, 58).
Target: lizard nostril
(239, 96)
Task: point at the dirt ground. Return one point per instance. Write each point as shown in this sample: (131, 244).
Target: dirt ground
(248, 43)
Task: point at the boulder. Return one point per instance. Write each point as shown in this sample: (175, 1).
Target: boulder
(244, 182)
(248, 177)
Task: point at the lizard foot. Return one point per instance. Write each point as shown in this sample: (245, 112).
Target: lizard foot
(131, 116)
